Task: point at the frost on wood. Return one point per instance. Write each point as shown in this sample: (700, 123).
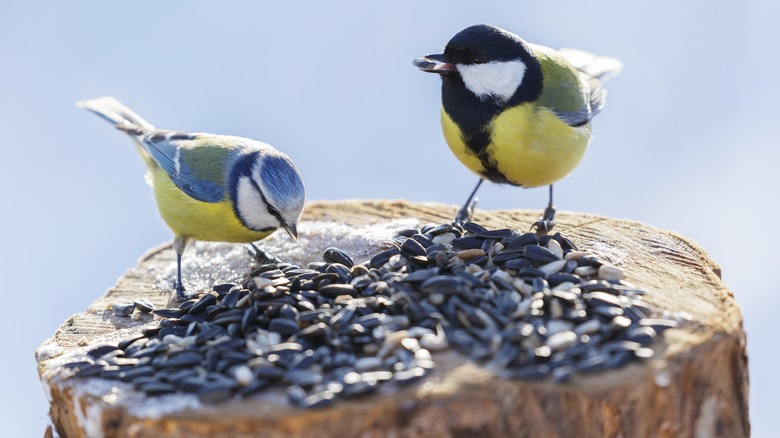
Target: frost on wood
(205, 264)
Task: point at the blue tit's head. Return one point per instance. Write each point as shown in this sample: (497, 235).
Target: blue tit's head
(267, 191)
(489, 62)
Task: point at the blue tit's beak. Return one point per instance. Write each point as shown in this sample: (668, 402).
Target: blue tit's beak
(292, 230)
(435, 64)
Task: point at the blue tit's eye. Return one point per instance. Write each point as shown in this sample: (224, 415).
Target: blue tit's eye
(478, 58)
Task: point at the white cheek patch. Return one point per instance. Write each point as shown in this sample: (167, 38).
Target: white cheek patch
(498, 79)
(251, 208)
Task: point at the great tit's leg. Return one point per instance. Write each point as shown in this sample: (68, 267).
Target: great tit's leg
(179, 243)
(262, 256)
(547, 221)
(464, 215)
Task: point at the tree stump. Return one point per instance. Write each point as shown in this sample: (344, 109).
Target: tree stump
(696, 385)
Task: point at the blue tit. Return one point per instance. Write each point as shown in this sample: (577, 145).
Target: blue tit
(514, 112)
(212, 187)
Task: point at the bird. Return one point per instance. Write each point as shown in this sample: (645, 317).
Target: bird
(211, 187)
(514, 112)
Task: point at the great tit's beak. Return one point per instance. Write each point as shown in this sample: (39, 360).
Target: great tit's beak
(292, 230)
(434, 64)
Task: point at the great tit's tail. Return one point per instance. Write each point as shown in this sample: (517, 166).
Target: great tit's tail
(599, 67)
(116, 113)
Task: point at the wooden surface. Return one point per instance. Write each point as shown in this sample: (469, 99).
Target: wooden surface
(696, 385)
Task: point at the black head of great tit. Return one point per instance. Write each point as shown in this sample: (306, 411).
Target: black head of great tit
(515, 112)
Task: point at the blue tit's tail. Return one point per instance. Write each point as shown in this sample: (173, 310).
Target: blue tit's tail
(116, 113)
(598, 67)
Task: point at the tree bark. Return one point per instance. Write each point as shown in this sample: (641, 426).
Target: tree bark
(696, 385)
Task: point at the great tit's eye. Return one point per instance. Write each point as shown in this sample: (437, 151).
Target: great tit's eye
(478, 58)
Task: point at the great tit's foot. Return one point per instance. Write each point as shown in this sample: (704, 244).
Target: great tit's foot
(262, 256)
(546, 223)
(181, 293)
(465, 213)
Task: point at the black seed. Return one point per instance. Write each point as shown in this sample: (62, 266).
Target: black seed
(123, 309)
(442, 284)
(469, 242)
(529, 274)
(380, 259)
(203, 303)
(406, 232)
(474, 228)
(641, 335)
(334, 290)
(423, 240)
(223, 288)
(157, 388)
(214, 392)
(231, 298)
(518, 243)
(540, 254)
(101, 351)
(592, 364)
(592, 261)
(496, 234)
(556, 279)
(506, 256)
(90, 370)
(185, 359)
(343, 272)
(143, 305)
(168, 313)
(134, 373)
(412, 247)
(283, 326)
(518, 263)
(335, 255)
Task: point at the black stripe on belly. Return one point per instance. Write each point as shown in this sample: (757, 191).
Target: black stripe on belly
(478, 145)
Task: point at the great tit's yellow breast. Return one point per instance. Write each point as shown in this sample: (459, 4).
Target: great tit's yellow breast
(529, 146)
(454, 139)
(199, 220)
(532, 147)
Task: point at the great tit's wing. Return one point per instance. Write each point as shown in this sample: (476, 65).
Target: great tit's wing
(195, 162)
(569, 90)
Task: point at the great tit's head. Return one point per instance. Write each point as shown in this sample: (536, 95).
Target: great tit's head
(267, 191)
(491, 61)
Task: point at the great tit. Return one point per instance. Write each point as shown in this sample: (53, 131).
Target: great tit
(212, 187)
(515, 112)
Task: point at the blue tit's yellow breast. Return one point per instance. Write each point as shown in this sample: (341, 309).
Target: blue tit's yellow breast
(529, 146)
(199, 220)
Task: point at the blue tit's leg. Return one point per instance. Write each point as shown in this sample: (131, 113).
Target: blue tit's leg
(262, 256)
(464, 215)
(547, 221)
(179, 243)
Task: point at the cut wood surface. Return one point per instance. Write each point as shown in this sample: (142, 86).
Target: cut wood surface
(696, 385)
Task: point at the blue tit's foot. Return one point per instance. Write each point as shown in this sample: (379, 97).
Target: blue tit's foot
(181, 293)
(262, 256)
(546, 223)
(465, 213)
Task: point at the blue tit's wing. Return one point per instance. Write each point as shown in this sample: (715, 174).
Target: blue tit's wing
(195, 162)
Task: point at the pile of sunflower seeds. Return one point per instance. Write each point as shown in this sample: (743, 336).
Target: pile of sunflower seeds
(526, 307)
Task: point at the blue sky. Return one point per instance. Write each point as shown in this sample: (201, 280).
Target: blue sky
(685, 143)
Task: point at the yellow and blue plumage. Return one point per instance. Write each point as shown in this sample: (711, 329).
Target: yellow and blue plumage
(212, 187)
(514, 112)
